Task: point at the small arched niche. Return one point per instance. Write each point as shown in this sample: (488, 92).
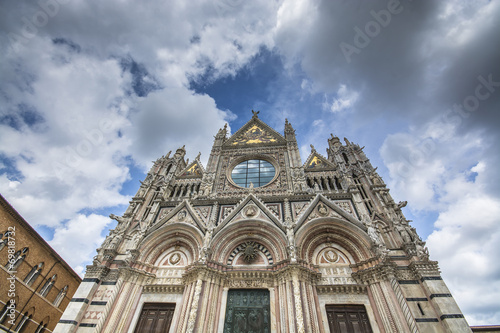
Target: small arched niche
(334, 264)
(171, 264)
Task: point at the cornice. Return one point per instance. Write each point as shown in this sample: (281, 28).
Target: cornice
(343, 289)
(163, 289)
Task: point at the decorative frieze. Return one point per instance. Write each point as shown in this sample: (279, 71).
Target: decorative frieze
(163, 289)
(343, 289)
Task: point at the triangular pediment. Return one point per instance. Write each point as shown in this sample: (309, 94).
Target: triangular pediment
(255, 132)
(193, 170)
(182, 213)
(250, 208)
(321, 207)
(317, 162)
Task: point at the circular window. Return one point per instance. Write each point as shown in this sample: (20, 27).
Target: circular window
(255, 172)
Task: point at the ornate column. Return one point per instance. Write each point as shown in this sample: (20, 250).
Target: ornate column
(204, 286)
(131, 281)
(194, 307)
(295, 295)
(378, 279)
(298, 303)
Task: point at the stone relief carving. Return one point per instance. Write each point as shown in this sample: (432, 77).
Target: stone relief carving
(292, 250)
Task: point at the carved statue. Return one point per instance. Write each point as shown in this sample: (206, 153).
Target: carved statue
(96, 260)
(290, 235)
(208, 237)
(322, 210)
(106, 242)
(372, 231)
(292, 250)
(404, 233)
(141, 192)
(148, 180)
(316, 187)
(122, 223)
(205, 249)
(376, 180)
(422, 251)
(116, 239)
(402, 204)
(136, 239)
(130, 209)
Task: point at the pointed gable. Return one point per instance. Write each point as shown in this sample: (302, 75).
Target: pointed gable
(321, 207)
(183, 213)
(316, 162)
(250, 208)
(193, 170)
(254, 132)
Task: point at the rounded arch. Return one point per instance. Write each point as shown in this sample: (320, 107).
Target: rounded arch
(240, 249)
(350, 237)
(266, 234)
(167, 236)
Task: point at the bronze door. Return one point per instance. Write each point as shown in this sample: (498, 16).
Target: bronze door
(155, 318)
(348, 319)
(247, 311)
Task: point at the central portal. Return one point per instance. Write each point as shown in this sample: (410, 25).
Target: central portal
(247, 311)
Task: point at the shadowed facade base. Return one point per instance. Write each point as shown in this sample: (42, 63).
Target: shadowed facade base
(257, 241)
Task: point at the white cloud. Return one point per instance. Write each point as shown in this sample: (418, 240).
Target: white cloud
(89, 123)
(345, 99)
(170, 119)
(466, 244)
(77, 240)
(466, 236)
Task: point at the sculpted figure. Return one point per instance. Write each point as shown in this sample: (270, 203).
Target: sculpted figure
(115, 242)
(208, 237)
(130, 209)
(372, 231)
(292, 250)
(136, 239)
(422, 251)
(402, 204)
(204, 251)
(322, 210)
(404, 233)
(122, 223)
(107, 241)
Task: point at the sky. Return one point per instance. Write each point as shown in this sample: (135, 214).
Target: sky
(91, 92)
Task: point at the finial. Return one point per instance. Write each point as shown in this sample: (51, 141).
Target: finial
(255, 114)
(312, 148)
(198, 156)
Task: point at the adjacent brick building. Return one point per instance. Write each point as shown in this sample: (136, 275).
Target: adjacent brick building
(36, 284)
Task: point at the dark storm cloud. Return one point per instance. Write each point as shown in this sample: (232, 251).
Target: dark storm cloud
(402, 67)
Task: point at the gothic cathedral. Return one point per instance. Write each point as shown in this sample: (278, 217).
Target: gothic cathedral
(257, 241)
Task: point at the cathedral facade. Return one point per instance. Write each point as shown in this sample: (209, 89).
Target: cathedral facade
(257, 241)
